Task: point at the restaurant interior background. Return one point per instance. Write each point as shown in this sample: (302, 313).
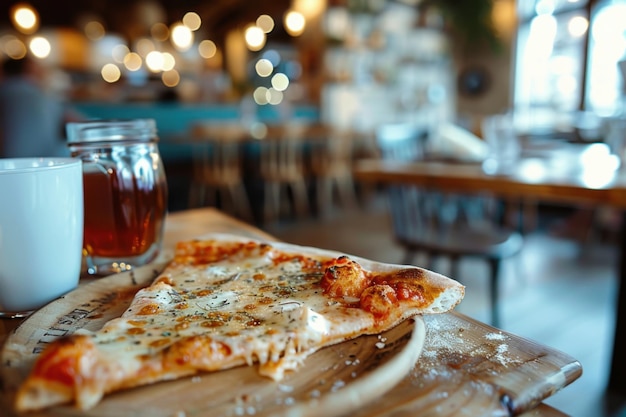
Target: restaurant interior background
(349, 64)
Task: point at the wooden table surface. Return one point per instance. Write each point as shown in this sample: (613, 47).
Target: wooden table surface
(464, 364)
(570, 178)
(572, 174)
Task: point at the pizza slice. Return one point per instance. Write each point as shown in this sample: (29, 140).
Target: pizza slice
(226, 301)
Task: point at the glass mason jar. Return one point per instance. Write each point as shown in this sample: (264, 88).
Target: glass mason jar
(125, 192)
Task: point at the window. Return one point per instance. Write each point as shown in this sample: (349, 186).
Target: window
(607, 46)
(567, 61)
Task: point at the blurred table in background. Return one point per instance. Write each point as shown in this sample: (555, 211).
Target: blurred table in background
(584, 175)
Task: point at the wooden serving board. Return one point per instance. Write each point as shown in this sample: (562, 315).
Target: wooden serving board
(332, 382)
(465, 367)
(468, 368)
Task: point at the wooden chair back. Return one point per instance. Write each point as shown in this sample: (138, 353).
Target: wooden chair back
(217, 159)
(281, 154)
(281, 166)
(218, 166)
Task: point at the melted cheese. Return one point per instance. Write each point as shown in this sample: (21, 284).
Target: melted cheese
(269, 312)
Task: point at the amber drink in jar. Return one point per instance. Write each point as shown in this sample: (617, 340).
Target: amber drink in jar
(125, 192)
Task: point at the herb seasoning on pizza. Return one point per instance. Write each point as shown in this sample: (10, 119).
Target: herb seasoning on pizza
(225, 301)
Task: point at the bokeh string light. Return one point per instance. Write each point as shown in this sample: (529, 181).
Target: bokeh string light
(166, 50)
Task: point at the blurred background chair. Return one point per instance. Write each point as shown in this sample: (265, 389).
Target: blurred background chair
(441, 224)
(218, 171)
(331, 157)
(282, 171)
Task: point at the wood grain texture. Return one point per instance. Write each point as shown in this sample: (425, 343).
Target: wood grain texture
(469, 368)
(466, 367)
(333, 381)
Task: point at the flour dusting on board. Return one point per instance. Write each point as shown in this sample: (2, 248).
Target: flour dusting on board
(453, 342)
(496, 336)
(440, 338)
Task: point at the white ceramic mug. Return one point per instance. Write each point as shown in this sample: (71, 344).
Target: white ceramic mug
(41, 231)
